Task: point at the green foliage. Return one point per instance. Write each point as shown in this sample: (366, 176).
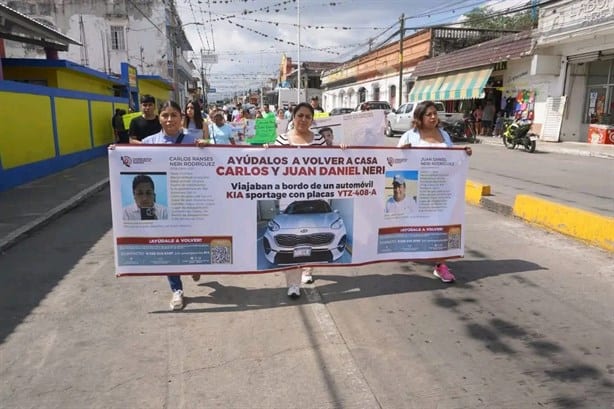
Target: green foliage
(482, 17)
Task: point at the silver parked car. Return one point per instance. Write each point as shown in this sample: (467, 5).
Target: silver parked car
(306, 231)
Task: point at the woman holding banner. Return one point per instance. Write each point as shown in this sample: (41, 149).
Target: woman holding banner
(427, 133)
(172, 132)
(300, 135)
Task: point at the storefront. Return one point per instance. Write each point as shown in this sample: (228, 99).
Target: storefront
(495, 71)
(581, 35)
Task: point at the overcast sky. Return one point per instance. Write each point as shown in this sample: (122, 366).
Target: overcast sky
(250, 36)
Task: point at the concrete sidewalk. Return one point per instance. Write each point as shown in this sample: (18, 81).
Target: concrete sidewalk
(30, 206)
(565, 148)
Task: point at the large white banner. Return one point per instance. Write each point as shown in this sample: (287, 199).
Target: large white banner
(234, 209)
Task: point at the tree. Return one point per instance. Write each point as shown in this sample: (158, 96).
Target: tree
(487, 18)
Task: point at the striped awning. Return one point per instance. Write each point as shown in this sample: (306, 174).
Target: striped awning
(425, 89)
(461, 85)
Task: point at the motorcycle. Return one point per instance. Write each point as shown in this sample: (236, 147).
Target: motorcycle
(517, 132)
(460, 131)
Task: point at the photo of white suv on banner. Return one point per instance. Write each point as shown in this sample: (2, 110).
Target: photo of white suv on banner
(306, 231)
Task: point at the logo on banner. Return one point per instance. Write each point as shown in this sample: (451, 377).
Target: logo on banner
(392, 161)
(126, 160)
(129, 161)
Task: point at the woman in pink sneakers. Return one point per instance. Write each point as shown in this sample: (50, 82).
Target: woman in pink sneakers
(426, 132)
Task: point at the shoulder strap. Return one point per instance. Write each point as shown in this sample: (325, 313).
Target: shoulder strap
(212, 134)
(180, 138)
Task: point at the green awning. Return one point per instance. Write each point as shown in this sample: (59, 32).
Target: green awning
(425, 89)
(461, 85)
(464, 85)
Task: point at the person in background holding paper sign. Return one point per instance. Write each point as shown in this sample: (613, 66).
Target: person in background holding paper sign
(315, 104)
(300, 135)
(219, 131)
(427, 133)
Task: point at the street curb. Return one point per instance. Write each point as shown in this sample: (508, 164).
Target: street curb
(578, 224)
(586, 226)
(14, 237)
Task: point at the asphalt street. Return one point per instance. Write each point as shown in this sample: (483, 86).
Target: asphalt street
(576, 180)
(527, 325)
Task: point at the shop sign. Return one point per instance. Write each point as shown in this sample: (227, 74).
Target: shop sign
(500, 66)
(575, 14)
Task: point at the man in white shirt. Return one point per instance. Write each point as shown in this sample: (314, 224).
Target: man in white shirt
(399, 202)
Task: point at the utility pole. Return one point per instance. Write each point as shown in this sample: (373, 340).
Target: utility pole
(298, 51)
(174, 29)
(202, 77)
(402, 32)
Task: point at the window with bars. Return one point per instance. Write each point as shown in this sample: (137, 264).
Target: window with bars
(118, 41)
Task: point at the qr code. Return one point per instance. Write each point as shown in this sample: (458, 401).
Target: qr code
(221, 253)
(454, 239)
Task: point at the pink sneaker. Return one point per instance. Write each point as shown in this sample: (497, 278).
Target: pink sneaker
(443, 273)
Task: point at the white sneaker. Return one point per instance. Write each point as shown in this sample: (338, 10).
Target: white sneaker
(177, 300)
(306, 277)
(294, 291)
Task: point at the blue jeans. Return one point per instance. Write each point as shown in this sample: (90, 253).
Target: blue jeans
(175, 283)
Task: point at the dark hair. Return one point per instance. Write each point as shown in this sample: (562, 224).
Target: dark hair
(302, 105)
(315, 98)
(169, 104)
(138, 179)
(326, 128)
(198, 116)
(420, 111)
(146, 99)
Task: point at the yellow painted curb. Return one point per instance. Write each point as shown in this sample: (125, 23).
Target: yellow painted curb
(474, 192)
(580, 224)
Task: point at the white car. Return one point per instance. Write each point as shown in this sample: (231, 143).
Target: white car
(306, 231)
(400, 120)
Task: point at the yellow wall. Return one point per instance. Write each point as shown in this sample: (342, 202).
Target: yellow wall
(102, 112)
(22, 139)
(159, 91)
(79, 82)
(73, 125)
(61, 78)
(31, 73)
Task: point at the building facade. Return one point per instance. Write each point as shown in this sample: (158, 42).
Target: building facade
(285, 92)
(577, 37)
(147, 34)
(378, 74)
